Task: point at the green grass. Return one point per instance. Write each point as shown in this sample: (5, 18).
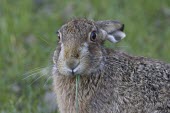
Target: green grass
(28, 39)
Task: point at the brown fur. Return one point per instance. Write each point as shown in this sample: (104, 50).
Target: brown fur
(113, 81)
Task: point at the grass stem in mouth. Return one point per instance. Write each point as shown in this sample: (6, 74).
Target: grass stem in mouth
(77, 86)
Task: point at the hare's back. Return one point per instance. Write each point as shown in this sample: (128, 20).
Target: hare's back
(134, 85)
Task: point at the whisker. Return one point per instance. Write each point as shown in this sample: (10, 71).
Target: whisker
(45, 41)
(47, 81)
(36, 79)
(31, 75)
(36, 71)
(33, 70)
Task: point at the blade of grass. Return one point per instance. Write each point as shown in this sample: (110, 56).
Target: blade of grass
(77, 86)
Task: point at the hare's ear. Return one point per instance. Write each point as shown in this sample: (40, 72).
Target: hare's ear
(111, 30)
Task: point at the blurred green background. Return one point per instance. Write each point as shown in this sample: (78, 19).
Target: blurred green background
(28, 39)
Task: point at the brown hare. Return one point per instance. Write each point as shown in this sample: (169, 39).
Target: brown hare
(110, 81)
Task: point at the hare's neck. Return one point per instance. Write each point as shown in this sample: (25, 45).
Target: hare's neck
(65, 88)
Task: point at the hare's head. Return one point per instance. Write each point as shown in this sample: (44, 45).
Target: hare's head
(80, 46)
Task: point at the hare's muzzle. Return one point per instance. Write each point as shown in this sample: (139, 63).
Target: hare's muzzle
(73, 58)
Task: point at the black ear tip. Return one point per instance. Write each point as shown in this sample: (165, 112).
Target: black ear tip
(122, 27)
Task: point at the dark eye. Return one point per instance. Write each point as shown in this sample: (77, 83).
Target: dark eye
(93, 36)
(58, 34)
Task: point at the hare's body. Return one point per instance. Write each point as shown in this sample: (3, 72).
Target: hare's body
(114, 83)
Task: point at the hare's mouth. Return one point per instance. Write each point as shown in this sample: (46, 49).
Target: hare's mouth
(67, 71)
(74, 71)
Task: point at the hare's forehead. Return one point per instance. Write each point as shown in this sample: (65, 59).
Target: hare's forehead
(77, 28)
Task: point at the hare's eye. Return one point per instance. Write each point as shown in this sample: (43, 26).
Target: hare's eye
(93, 36)
(58, 34)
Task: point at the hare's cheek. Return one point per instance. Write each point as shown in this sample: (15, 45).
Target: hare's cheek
(61, 54)
(62, 69)
(85, 63)
(84, 49)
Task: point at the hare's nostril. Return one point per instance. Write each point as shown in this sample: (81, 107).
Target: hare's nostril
(75, 55)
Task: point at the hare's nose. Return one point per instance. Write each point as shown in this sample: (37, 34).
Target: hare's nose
(72, 63)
